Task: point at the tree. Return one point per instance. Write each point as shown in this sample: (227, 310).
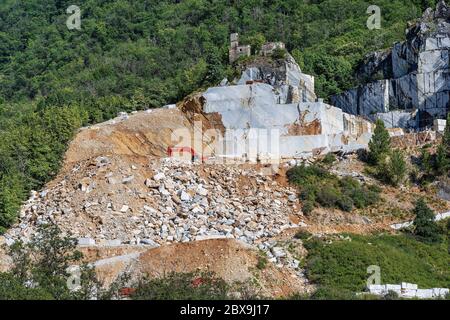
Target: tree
(426, 162)
(380, 143)
(255, 41)
(44, 263)
(443, 154)
(425, 227)
(446, 136)
(442, 163)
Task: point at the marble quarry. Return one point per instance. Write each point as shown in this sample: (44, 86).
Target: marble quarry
(415, 75)
(271, 111)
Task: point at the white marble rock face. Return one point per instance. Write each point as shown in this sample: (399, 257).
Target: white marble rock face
(420, 72)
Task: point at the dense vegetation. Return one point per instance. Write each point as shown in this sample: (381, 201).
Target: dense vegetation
(339, 265)
(319, 187)
(137, 54)
(41, 271)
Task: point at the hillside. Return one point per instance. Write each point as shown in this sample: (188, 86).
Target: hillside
(188, 150)
(138, 54)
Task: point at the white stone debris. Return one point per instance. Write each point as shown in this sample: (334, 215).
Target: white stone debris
(408, 290)
(178, 204)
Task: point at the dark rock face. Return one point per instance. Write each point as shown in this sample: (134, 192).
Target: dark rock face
(376, 66)
(413, 75)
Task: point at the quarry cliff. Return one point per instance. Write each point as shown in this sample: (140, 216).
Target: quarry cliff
(407, 85)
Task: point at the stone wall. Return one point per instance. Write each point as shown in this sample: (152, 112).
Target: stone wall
(236, 51)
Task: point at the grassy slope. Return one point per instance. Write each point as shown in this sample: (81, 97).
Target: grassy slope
(342, 264)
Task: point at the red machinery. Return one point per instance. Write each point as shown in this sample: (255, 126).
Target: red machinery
(182, 150)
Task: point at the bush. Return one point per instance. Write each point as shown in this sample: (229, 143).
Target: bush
(345, 203)
(279, 53)
(396, 169)
(332, 293)
(12, 288)
(44, 262)
(391, 295)
(446, 138)
(302, 235)
(329, 159)
(442, 162)
(308, 207)
(328, 196)
(336, 265)
(262, 261)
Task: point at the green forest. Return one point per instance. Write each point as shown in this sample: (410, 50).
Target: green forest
(140, 54)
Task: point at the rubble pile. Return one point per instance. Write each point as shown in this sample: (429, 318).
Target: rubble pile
(179, 202)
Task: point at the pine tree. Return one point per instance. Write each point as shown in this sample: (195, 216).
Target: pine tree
(425, 226)
(446, 137)
(380, 143)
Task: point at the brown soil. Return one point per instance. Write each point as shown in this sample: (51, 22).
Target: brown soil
(227, 259)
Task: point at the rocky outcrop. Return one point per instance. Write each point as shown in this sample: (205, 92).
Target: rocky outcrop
(415, 74)
(290, 84)
(271, 111)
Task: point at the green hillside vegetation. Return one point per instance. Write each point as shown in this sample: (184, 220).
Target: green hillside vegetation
(317, 186)
(138, 54)
(339, 266)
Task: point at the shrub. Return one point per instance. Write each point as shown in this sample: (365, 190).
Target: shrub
(302, 235)
(337, 265)
(262, 261)
(308, 207)
(442, 163)
(328, 196)
(391, 295)
(332, 293)
(446, 137)
(279, 53)
(12, 288)
(426, 162)
(396, 168)
(345, 203)
(349, 184)
(44, 262)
